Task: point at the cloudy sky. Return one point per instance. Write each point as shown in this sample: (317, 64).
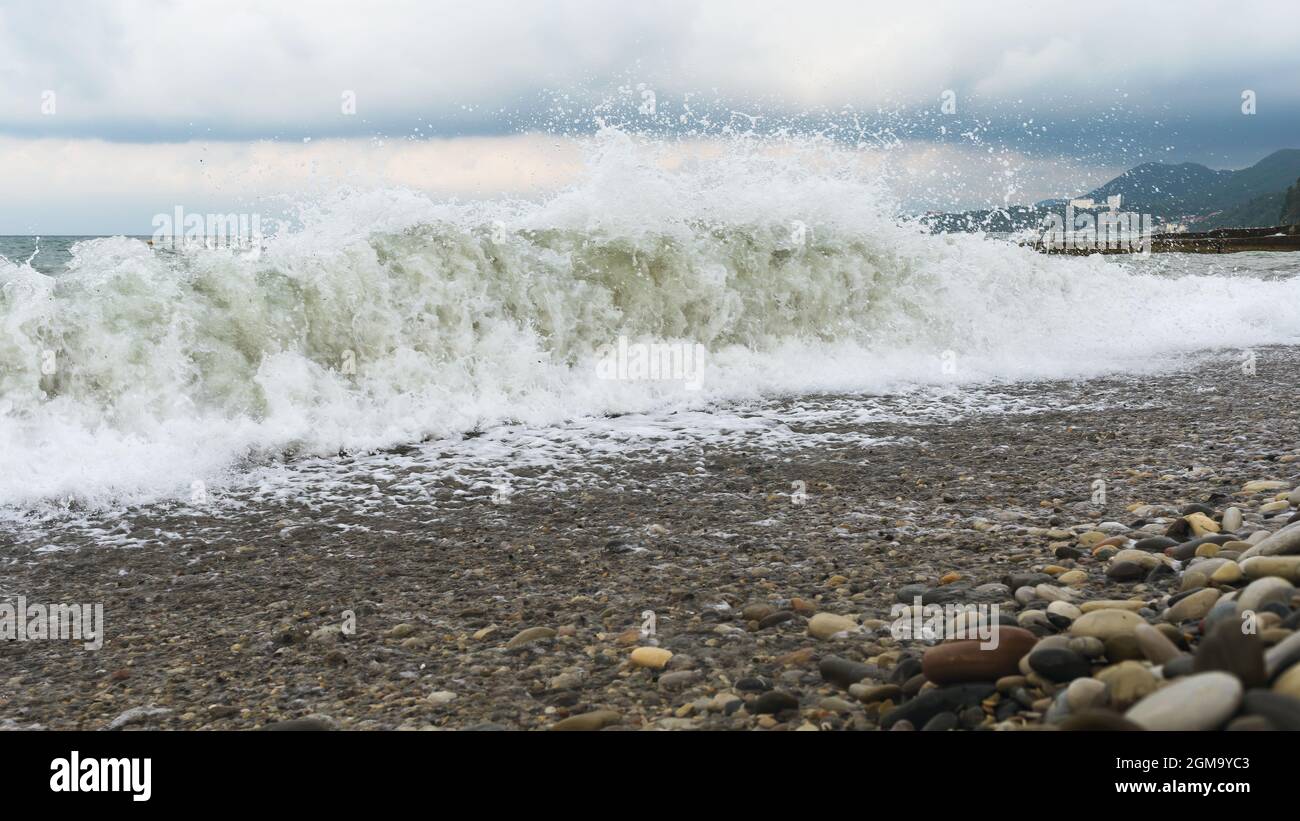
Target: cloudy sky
(113, 111)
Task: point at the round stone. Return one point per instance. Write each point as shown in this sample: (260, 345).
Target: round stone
(1262, 591)
(1232, 519)
(1223, 609)
(1283, 654)
(1283, 712)
(843, 671)
(1105, 624)
(1112, 604)
(1227, 573)
(870, 693)
(1094, 720)
(1155, 645)
(655, 658)
(825, 625)
(1207, 550)
(1127, 683)
(773, 619)
(971, 660)
(1229, 648)
(1138, 557)
(588, 722)
(940, 723)
(773, 701)
(1257, 724)
(1125, 571)
(1058, 664)
(1065, 610)
(1288, 684)
(1123, 648)
(1202, 524)
(1154, 544)
(530, 635)
(1028, 618)
(1262, 485)
(679, 679)
(1258, 567)
(1085, 693)
(1176, 667)
(1087, 646)
(1206, 567)
(1282, 543)
(1072, 577)
(1203, 701)
(1193, 606)
(1051, 593)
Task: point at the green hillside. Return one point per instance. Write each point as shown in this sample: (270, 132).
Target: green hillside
(1249, 197)
(1260, 212)
(1291, 206)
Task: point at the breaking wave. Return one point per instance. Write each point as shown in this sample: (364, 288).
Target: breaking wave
(387, 318)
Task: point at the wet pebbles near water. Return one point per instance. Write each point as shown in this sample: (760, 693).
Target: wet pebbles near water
(701, 597)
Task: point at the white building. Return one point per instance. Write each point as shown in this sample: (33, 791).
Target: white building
(1112, 202)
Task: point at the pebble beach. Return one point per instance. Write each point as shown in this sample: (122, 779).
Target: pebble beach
(1138, 548)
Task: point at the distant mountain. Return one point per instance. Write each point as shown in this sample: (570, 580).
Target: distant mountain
(1245, 198)
(1168, 190)
(1264, 195)
(1059, 202)
(987, 220)
(1291, 206)
(1261, 212)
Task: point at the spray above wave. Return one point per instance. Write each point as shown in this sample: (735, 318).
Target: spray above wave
(388, 319)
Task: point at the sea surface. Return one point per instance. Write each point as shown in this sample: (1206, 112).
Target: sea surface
(476, 337)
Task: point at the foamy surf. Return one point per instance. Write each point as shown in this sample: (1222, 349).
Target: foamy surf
(387, 319)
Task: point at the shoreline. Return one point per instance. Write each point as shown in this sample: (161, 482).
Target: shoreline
(525, 615)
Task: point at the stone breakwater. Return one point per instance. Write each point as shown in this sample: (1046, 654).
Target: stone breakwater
(691, 591)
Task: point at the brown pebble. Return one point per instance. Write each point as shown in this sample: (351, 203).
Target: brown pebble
(966, 660)
(1094, 720)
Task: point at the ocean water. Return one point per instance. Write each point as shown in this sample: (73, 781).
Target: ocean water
(383, 320)
(46, 255)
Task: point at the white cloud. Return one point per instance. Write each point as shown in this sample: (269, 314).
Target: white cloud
(136, 69)
(160, 103)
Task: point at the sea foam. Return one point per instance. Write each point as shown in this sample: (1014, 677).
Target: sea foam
(386, 318)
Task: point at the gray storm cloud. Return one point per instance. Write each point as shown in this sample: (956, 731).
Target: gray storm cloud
(110, 111)
(146, 71)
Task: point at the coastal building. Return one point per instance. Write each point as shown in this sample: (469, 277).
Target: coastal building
(1112, 202)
